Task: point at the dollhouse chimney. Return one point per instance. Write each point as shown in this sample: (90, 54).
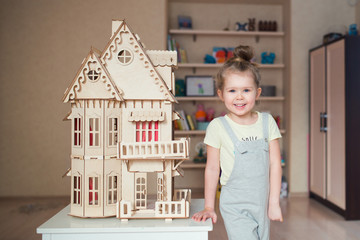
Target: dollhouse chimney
(115, 25)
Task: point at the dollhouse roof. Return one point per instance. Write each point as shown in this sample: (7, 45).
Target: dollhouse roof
(92, 81)
(123, 71)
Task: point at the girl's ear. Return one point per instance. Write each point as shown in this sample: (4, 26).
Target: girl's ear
(219, 93)
(258, 93)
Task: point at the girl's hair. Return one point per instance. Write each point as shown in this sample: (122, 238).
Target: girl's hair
(240, 62)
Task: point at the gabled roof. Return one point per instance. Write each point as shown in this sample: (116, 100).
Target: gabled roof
(92, 81)
(139, 79)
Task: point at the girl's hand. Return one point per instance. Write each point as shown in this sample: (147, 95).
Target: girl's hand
(205, 214)
(275, 213)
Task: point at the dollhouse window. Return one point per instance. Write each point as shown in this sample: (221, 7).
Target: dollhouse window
(112, 193)
(125, 56)
(93, 191)
(93, 75)
(77, 190)
(160, 187)
(147, 131)
(113, 132)
(77, 132)
(94, 132)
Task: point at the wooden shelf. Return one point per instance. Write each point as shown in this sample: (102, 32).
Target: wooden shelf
(279, 98)
(226, 33)
(202, 132)
(192, 165)
(218, 65)
(191, 132)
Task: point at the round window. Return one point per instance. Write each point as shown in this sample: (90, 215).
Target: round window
(93, 75)
(125, 56)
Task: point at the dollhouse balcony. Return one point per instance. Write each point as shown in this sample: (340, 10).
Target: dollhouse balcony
(163, 209)
(176, 149)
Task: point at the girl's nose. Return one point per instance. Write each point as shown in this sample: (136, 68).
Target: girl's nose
(239, 95)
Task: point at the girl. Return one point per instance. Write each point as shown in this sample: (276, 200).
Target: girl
(245, 145)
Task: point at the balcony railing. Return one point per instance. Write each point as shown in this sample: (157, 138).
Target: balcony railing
(180, 194)
(173, 209)
(176, 149)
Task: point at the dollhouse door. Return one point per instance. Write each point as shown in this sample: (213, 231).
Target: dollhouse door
(140, 191)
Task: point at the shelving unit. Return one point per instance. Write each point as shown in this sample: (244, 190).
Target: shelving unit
(199, 41)
(180, 99)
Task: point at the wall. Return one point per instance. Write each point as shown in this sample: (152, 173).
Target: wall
(310, 20)
(43, 44)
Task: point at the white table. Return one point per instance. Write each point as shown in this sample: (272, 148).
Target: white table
(62, 226)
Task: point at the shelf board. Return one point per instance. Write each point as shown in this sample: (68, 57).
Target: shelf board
(218, 65)
(279, 98)
(192, 165)
(226, 33)
(202, 132)
(191, 132)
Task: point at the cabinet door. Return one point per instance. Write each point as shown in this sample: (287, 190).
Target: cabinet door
(335, 57)
(317, 137)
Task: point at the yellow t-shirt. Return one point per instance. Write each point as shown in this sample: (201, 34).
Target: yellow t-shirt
(217, 137)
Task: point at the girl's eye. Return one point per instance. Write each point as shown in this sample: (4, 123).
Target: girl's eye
(231, 90)
(246, 90)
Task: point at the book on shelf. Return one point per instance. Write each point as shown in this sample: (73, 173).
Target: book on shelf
(191, 122)
(186, 121)
(173, 45)
(184, 124)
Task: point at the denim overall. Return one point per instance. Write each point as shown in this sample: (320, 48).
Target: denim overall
(244, 198)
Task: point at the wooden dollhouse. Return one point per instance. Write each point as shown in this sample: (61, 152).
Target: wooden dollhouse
(123, 154)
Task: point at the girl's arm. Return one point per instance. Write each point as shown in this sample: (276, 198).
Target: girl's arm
(212, 171)
(275, 181)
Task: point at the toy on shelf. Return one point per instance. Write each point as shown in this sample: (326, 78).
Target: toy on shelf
(179, 87)
(122, 114)
(270, 26)
(185, 22)
(221, 54)
(209, 59)
(241, 26)
(200, 148)
(210, 114)
(252, 24)
(353, 30)
(200, 114)
(267, 58)
(202, 118)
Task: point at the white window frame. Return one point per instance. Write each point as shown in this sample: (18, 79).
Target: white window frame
(77, 131)
(93, 75)
(113, 183)
(147, 131)
(113, 131)
(94, 191)
(77, 190)
(125, 58)
(94, 134)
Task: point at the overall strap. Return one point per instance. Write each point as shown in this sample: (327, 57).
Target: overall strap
(265, 121)
(230, 132)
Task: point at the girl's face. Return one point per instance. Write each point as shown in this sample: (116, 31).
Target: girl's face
(239, 94)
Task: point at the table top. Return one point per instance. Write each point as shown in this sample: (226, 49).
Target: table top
(63, 223)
